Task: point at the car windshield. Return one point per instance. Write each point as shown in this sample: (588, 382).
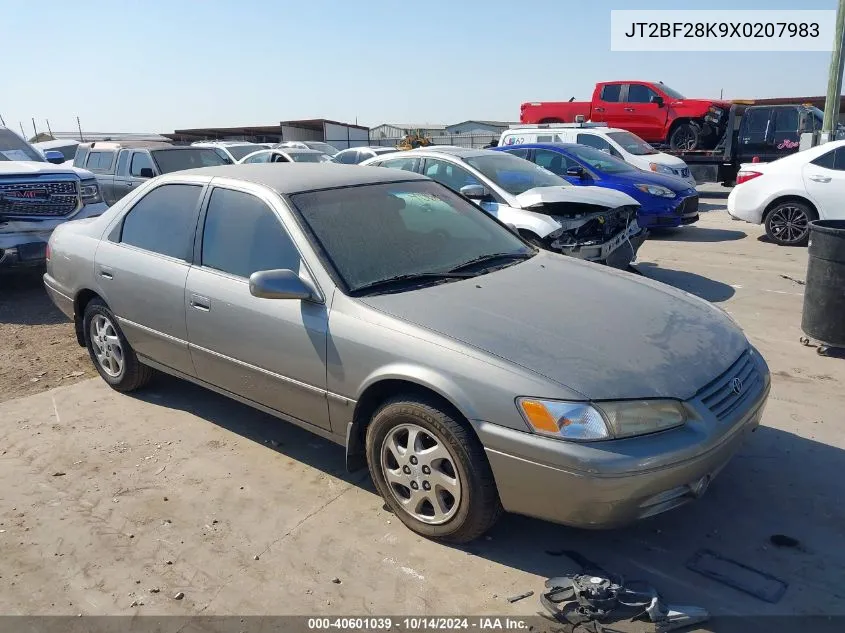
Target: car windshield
(331, 150)
(632, 143)
(169, 160)
(373, 233)
(310, 157)
(672, 93)
(514, 175)
(600, 161)
(239, 151)
(13, 147)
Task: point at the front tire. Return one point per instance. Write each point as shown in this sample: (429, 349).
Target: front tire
(685, 136)
(431, 470)
(788, 223)
(109, 350)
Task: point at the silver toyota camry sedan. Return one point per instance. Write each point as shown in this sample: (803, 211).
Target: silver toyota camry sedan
(470, 371)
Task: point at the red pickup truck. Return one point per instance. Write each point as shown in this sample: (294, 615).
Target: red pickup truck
(651, 110)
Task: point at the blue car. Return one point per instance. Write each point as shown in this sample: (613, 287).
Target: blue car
(665, 201)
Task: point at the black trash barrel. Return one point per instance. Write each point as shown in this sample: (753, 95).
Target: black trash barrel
(823, 318)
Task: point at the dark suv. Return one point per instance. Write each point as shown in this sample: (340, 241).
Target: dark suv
(119, 167)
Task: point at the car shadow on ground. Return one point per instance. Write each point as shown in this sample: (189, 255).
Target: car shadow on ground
(706, 207)
(713, 291)
(723, 195)
(24, 301)
(768, 488)
(695, 234)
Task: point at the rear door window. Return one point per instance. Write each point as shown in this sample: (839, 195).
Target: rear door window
(449, 174)
(406, 164)
(164, 221)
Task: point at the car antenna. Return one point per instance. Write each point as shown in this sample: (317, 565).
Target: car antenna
(571, 99)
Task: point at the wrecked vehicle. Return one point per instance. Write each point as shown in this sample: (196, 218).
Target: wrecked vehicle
(591, 223)
(35, 197)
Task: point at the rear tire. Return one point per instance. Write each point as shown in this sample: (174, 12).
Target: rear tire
(431, 470)
(113, 357)
(788, 223)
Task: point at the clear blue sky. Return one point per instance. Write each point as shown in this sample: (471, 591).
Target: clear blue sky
(158, 65)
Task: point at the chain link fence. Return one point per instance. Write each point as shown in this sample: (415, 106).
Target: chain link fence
(474, 141)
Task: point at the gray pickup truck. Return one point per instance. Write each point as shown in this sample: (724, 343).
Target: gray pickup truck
(37, 196)
(121, 166)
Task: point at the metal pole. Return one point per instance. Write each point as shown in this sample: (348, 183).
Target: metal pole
(2, 122)
(34, 131)
(834, 79)
(79, 127)
(23, 134)
(48, 127)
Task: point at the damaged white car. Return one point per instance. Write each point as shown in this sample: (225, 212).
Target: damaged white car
(592, 223)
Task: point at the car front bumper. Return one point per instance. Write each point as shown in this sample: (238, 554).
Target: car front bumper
(681, 213)
(622, 246)
(565, 483)
(23, 243)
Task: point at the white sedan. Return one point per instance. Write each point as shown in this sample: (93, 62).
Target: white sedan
(789, 193)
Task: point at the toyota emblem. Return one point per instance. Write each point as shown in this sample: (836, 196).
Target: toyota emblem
(736, 386)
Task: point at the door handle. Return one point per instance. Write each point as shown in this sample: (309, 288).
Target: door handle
(599, 109)
(129, 183)
(200, 303)
(820, 178)
(106, 272)
(629, 109)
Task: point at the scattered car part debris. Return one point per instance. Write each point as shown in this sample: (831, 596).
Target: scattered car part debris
(782, 540)
(597, 596)
(800, 282)
(59, 474)
(179, 596)
(737, 575)
(521, 596)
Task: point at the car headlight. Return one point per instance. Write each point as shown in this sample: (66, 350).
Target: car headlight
(661, 169)
(582, 422)
(89, 191)
(656, 190)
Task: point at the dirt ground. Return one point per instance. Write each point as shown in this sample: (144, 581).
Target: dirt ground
(115, 504)
(38, 349)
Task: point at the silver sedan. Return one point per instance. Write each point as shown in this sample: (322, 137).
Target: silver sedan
(469, 370)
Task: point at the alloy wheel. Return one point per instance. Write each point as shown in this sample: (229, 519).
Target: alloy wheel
(106, 345)
(421, 474)
(789, 224)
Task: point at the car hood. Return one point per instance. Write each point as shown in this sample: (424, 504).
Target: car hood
(603, 333)
(25, 168)
(581, 195)
(639, 177)
(701, 104)
(662, 158)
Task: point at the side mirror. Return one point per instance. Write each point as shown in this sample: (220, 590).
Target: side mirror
(52, 156)
(147, 172)
(475, 192)
(280, 284)
(576, 172)
(658, 100)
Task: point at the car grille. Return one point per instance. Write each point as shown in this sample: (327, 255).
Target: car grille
(48, 198)
(738, 387)
(689, 205)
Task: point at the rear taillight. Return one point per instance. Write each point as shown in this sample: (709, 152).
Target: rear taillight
(745, 176)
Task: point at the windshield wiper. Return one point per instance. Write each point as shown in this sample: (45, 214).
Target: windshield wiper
(399, 279)
(489, 258)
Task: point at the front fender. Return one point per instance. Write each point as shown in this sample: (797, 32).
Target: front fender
(538, 223)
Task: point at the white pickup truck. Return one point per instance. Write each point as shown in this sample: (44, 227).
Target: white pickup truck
(35, 197)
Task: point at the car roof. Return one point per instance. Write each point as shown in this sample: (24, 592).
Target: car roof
(177, 147)
(113, 145)
(298, 177)
(450, 150)
(564, 146)
(295, 150)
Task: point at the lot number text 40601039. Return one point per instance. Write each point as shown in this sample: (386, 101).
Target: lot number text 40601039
(422, 623)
